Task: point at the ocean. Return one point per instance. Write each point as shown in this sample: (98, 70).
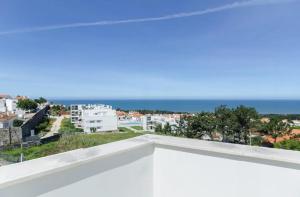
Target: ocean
(193, 106)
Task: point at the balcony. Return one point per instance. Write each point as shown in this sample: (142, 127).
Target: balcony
(157, 166)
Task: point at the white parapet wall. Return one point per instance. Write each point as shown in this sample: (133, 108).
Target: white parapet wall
(157, 166)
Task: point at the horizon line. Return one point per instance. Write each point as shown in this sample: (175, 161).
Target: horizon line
(204, 99)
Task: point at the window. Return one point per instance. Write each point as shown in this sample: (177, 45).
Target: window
(99, 121)
(93, 129)
(74, 107)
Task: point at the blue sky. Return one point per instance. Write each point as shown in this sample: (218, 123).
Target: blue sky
(249, 52)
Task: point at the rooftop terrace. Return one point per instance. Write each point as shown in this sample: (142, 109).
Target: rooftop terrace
(157, 166)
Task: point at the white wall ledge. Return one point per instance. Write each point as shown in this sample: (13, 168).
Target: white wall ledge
(236, 151)
(21, 172)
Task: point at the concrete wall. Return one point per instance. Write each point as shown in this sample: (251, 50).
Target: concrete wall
(125, 174)
(157, 166)
(13, 136)
(179, 173)
(33, 122)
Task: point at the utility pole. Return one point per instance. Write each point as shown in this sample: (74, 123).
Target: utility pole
(250, 138)
(9, 133)
(21, 156)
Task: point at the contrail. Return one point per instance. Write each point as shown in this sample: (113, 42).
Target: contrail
(234, 5)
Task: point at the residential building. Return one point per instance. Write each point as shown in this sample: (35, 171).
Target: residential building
(2, 106)
(11, 105)
(151, 121)
(8, 104)
(6, 121)
(157, 166)
(296, 123)
(25, 133)
(21, 97)
(94, 118)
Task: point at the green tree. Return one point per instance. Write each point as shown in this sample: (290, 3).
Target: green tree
(226, 123)
(201, 125)
(57, 110)
(167, 129)
(181, 127)
(276, 127)
(27, 104)
(40, 100)
(17, 123)
(158, 128)
(246, 119)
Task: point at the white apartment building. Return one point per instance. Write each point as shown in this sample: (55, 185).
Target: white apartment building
(8, 104)
(2, 106)
(11, 105)
(150, 122)
(94, 118)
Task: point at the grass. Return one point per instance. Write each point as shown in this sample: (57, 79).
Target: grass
(44, 126)
(124, 129)
(69, 142)
(137, 128)
(68, 127)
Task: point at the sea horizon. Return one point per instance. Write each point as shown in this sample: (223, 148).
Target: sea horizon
(263, 106)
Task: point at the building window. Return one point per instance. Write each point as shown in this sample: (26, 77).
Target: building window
(74, 107)
(99, 121)
(93, 129)
(92, 121)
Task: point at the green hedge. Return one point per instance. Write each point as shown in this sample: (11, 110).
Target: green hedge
(288, 144)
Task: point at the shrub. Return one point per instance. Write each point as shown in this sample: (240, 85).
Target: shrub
(288, 144)
(43, 126)
(68, 127)
(18, 123)
(257, 141)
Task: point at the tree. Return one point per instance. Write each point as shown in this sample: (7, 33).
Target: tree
(200, 125)
(167, 129)
(246, 118)
(158, 128)
(181, 127)
(226, 122)
(27, 104)
(40, 100)
(276, 127)
(17, 123)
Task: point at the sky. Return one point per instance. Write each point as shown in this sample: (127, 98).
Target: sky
(150, 49)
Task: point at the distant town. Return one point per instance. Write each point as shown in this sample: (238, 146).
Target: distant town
(27, 123)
